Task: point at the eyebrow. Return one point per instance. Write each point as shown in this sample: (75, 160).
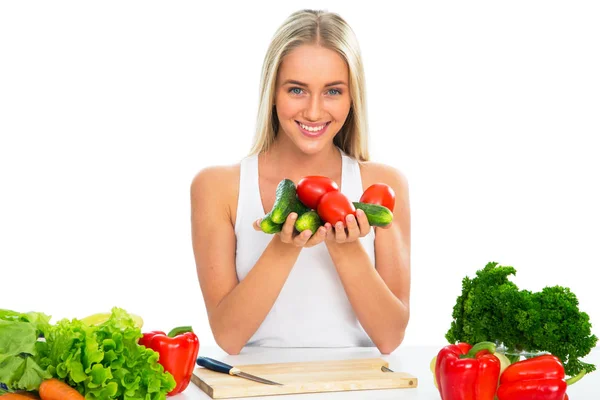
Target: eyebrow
(293, 82)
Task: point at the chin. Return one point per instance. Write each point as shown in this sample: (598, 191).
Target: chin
(312, 147)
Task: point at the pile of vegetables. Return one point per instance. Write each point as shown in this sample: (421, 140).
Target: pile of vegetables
(545, 328)
(102, 361)
(318, 200)
(492, 308)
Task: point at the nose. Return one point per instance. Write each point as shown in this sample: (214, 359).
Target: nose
(314, 109)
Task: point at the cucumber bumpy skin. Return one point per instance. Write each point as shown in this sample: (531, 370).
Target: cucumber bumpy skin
(376, 215)
(309, 220)
(268, 226)
(286, 202)
(300, 208)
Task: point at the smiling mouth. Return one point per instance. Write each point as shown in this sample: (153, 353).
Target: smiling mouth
(313, 130)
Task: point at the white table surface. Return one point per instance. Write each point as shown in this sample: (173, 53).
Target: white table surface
(414, 360)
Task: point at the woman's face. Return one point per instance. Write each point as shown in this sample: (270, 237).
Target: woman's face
(312, 98)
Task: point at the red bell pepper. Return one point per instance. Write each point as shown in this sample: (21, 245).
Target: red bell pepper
(466, 372)
(537, 378)
(177, 353)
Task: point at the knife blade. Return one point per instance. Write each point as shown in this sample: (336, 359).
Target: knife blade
(218, 366)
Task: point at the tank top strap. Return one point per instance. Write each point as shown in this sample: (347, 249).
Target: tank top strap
(249, 205)
(351, 177)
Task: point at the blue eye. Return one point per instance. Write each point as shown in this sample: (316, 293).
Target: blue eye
(293, 90)
(337, 91)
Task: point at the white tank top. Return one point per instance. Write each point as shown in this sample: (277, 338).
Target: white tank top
(312, 309)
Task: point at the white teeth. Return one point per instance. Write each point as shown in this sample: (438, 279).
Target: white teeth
(310, 129)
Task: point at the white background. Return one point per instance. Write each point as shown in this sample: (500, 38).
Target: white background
(108, 110)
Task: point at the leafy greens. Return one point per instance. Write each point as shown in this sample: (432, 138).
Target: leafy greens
(102, 362)
(492, 308)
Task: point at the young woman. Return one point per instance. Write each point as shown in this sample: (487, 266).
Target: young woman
(341, 286)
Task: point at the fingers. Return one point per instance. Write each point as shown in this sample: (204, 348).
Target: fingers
(335, 233)
(353, 229)
(302, 238)
(287, 231)
(363, 223)
(340, 232)
(256, 225)
(288, 234)
(318, 237)
(330, 232)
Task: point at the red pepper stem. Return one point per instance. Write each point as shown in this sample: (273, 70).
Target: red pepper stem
(575, 378)
(489, 346)
(179, 330)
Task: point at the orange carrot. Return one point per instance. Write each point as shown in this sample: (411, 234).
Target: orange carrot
(17, 396)
(53, 389)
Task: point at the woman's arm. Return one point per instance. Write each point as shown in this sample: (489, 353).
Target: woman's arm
(380, 296)
(235, 309)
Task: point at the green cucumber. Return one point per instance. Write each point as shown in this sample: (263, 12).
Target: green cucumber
(286, 201)
(376, 215)
(268, 226)
(300, 208)
(309, 220)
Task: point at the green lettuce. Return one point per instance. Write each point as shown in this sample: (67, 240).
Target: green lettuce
(19, 368)
(102, 362)
(105, 361)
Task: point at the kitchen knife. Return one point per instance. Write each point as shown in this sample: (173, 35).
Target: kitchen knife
(219, 366)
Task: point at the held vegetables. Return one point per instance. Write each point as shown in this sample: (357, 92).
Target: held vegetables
(317, 200)
(286, 202)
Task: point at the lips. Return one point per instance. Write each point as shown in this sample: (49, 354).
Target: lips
(309, 130)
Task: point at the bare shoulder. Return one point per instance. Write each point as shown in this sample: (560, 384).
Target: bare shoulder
(222, 174)
(373, 172)
(217, 185)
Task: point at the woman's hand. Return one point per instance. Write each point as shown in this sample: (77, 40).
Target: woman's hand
(290, 236)
(356, 228)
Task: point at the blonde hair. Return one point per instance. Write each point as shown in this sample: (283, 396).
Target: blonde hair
(329, 30)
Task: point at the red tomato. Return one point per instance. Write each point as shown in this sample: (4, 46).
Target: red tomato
(310, 189)
(334, 206)
(379, 193)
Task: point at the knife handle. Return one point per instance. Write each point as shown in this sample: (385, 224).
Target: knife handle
(213, 365)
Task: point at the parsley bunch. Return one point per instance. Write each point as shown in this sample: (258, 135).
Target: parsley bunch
(492, 308)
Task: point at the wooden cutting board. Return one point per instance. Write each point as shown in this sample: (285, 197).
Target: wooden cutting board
(303, 377)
